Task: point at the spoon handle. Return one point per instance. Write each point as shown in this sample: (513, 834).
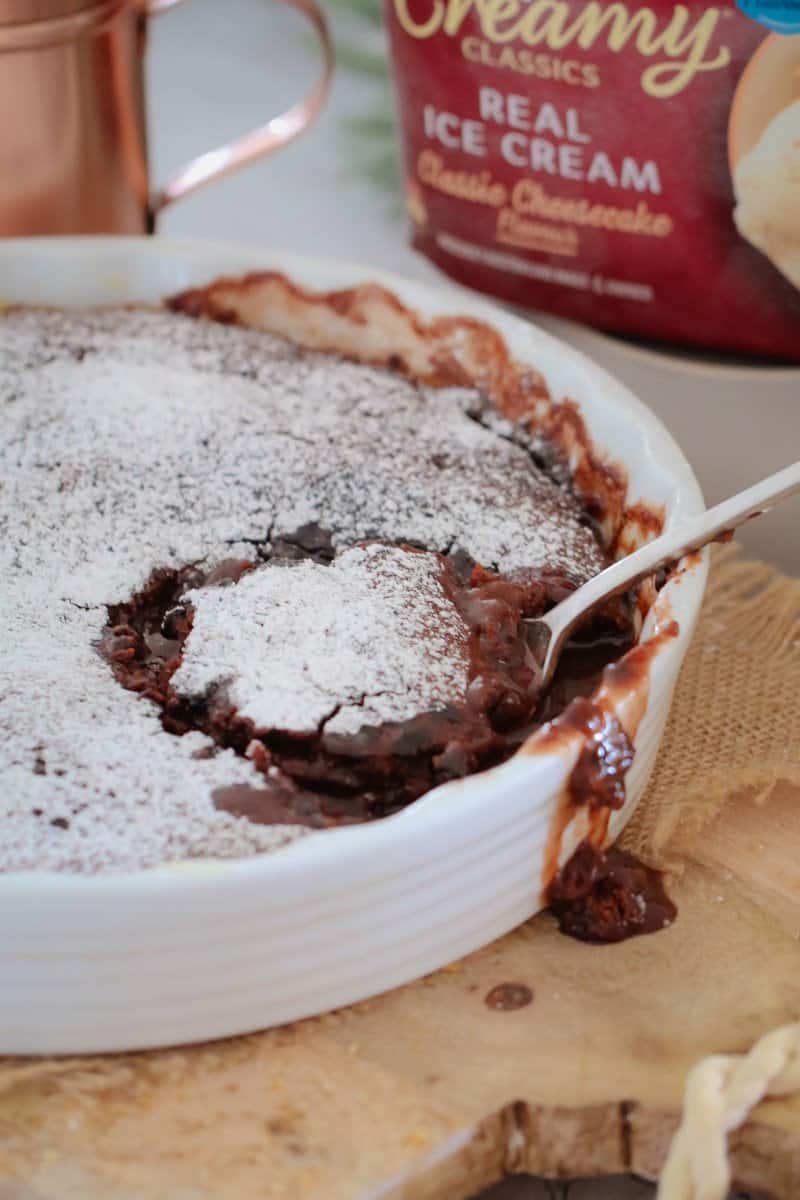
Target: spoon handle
(690, 535)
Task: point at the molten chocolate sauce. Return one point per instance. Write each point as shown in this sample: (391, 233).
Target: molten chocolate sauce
(608, 896)
(323, 778)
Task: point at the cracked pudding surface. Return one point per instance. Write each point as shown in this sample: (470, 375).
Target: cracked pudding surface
(354, 683)
(308, 647)
(143, 446)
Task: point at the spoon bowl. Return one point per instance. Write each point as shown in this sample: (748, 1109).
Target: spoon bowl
(547, 635)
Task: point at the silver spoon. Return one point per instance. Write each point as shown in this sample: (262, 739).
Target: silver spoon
(548, 634)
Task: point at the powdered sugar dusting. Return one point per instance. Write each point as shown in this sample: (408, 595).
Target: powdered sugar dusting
(298, 647)
(143, 439)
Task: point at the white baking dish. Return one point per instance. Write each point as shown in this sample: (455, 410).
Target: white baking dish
(210, 948)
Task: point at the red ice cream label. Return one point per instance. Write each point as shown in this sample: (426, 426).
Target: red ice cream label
(634, 167)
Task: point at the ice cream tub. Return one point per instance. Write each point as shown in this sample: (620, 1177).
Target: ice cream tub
(634, 167)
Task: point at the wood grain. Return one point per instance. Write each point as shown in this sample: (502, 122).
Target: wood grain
(428, 1093)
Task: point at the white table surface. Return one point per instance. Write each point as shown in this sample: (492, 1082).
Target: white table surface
(217, 67)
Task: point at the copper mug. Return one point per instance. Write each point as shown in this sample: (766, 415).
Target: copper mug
(73, 145)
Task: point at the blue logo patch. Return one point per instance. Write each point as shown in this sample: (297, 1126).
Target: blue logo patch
(782, 16)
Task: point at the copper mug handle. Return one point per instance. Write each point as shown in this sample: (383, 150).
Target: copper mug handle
(277, 132)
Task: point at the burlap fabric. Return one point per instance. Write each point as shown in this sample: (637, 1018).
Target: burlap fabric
(735, 721)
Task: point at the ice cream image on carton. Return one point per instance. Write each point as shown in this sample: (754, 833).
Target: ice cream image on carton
(767, 183)
(764, 146)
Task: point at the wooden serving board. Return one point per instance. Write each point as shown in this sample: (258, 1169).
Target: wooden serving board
(430, 1092)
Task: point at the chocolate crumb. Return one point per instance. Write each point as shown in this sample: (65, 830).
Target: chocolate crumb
(608, 896)
(506, 997)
